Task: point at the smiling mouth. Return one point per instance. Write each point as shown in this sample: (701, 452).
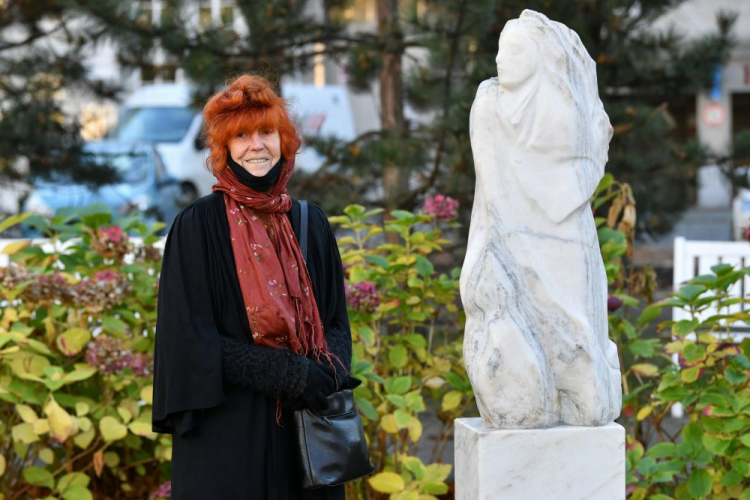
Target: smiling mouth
(257, 160)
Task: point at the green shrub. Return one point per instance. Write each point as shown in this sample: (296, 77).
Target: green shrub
(406, 331)
(708, 455)
(76, 337)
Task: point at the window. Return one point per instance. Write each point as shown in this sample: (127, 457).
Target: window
(227, 15)
(205, 18)
(167, 72)
(148, 73)
(132, 168)
(169, 12)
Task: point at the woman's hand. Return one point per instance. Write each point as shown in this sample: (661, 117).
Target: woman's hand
(320, 385)
(347, 382)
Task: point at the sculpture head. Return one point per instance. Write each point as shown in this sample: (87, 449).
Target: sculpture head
(550, 99)
(516, 57)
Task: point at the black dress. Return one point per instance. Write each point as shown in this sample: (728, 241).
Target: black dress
(226, 442)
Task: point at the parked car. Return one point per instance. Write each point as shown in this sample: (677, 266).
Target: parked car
(143, 185)
(162, 114)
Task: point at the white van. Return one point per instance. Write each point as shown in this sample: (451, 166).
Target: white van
(161, 113)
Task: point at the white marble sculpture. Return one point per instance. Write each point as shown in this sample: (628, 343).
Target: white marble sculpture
(533, 283)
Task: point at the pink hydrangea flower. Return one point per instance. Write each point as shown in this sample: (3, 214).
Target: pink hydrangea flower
(108, 354)
(441, 206)
(142, 364)
(106, 275)
(112, 233)
(363, 297)
(163, 491)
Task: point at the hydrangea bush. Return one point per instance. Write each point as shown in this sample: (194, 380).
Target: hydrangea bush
(706, 455)
(76, 362)
(407, 334)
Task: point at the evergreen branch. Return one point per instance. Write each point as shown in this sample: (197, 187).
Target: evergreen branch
(337, 157)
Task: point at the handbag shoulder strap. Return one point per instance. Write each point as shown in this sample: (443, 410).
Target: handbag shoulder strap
(303, 229)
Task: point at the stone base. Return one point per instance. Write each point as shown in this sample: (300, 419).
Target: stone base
(559, 463)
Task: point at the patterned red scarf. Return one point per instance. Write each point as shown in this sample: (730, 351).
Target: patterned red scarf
(275, 283)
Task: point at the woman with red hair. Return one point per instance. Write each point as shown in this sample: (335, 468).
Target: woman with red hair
(247, 331)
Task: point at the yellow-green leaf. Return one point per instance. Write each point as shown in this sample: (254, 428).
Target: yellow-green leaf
(38, 476)
(110, 324)
(72, 341)
(111, 458)
(643, 413)
(690, 375)
(16, 247)
(47, 455)
(28, 365)
(415, 430)
(84, 423)
(60, 421)
(72, 479)
(437, 473)
(386, 482)
(82, 408)
(41, 426)
(13, 220)
(83, 440)
(24, 433)
(78, 493)
(27, 413)
(147, 394)
(402, 418)
(79, 374)
(388, 423)
(125, 414)
(2, 465)
(413, 300)
(140, 428)
(645, 369)
(451, 400)
(398, 356)
(111, 429)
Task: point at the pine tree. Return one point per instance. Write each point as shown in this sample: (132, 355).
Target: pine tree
(40, 54)
(645, 79)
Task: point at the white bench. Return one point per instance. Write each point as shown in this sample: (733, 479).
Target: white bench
(694, 258)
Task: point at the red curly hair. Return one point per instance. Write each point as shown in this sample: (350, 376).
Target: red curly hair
(247, 104)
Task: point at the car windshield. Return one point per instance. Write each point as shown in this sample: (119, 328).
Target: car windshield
(158, 124)
(131, 167)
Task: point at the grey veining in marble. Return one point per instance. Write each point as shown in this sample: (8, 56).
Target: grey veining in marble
(533, 282)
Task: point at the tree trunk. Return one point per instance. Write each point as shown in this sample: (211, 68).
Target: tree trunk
(395, 178)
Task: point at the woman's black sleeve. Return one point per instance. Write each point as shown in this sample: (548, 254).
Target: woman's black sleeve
(187, 351)
(277, 373)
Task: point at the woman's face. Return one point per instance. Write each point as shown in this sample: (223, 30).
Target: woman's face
(257, 152)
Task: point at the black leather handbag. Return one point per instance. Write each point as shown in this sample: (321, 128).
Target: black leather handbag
(332, 443)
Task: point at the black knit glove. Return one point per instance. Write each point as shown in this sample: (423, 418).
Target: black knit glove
(320, 385)
(309, 398)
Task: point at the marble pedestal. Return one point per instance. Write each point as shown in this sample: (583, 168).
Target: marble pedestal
(558, 463)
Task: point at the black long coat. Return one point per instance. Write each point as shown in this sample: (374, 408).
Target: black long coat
(226, 442)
